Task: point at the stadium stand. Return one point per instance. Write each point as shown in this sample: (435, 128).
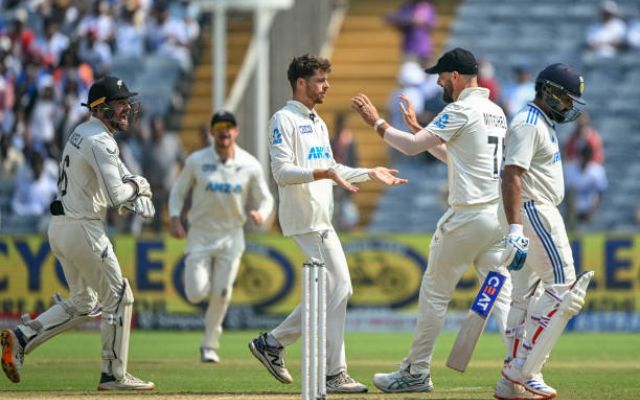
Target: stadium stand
(515, 32)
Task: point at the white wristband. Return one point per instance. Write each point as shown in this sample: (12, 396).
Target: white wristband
(378, 123)
(515, 229)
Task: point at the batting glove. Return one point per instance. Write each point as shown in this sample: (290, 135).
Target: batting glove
(144, 189)
(142, 205)
(516, 248)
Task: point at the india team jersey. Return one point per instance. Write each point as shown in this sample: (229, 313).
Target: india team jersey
(299, 144)
(532, 144)
(220, 192)
(473, 128)
(90, 177)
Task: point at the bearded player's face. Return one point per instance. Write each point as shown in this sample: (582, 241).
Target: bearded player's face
(445, 81)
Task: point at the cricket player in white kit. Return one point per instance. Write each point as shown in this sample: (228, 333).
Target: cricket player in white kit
(468, 136)
(305, 171)
(532, 188)
(92, 178)
(223, 178)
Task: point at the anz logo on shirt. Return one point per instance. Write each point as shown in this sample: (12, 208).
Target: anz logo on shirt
(319, 152)
(223, 187)
(276, 137)
(209, 167)
(441, 121)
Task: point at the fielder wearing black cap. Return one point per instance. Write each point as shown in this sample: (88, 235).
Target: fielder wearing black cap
(458, 59)
(223, 116)
(106, 89)
(561, 82)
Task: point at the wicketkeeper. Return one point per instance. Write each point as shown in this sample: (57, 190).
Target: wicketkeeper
(92, 178)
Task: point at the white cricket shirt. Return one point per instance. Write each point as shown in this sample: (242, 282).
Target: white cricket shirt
(473, 128)
(299, 143)
(221, 191)
(532, 144)
(90, 176)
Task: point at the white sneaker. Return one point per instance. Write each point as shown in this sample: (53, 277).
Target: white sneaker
(209, 355)
(403, 382)
(534, 384)
(507, 390)
(12, 355)
(129, 382)
(343, 383)
(271, 357)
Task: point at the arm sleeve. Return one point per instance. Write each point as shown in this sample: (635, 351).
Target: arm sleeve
(352, 175)
(408, 143)
(448, 123)
(519, 145)
(104, 159)
(283, 167)
(180, 189)
(260, 193)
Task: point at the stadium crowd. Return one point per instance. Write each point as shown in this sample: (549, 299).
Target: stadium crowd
(51, 51)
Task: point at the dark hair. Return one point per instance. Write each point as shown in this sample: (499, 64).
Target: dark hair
(305, 67)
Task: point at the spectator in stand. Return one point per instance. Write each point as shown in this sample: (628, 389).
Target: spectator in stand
(100, 20)
(411, 80)
(161, 162)
(11, 159)
(130, 35)
(606, 36)
(586, 182)
(582, 135)
(517, 96)
(35, 189)
(7, 96)
(345, 152)
(53, 43)
(169, 36)
(633, 31)
(415, 19)
(487, 79)
(95, 52)
(45, 116)
(21, 35)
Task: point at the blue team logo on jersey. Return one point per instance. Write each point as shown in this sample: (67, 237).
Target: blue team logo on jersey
(276, 137)
(319, 152)
(556, 157)
(488, 294)
(209, 167)
(305, 129)
(441, 121)
(227, 188)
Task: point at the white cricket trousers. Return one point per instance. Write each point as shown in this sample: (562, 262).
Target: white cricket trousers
(324, 246)
(549, 259)
(209, 274)
(90, 266)
(464, 236)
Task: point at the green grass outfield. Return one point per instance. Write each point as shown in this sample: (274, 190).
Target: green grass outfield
(583, 366)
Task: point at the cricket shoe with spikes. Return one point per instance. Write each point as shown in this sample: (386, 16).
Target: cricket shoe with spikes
(402, 381)
(12, 355)
(534, 384)
(507, 390)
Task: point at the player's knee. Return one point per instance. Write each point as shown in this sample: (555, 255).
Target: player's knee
(195, 296)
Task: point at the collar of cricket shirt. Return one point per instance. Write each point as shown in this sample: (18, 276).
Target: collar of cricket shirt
(544, 114)
(474, 91)
(302, 109)
(230, 161)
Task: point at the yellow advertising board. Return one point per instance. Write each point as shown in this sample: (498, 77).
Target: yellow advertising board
(386, 272)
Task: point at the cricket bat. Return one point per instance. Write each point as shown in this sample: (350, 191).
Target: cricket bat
(475, 322)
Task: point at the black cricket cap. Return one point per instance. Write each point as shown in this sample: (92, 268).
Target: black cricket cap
(458, 59)
(106, 89)
(567, 77)
(223, 116)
